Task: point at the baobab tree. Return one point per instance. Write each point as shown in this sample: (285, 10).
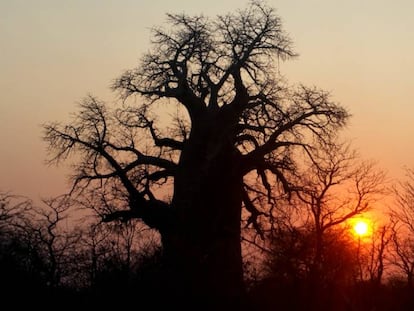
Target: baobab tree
(188, 179)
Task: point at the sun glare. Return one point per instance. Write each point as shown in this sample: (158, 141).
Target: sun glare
(361, 227)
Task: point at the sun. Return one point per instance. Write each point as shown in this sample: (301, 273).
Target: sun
(361, 227)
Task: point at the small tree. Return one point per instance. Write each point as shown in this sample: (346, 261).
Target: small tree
(403, 257)
(403, 233)
(335, 188)
(111, 254)
(12, 209)
(312, 245)
(52, 240)
(15, 266)
(379, 248)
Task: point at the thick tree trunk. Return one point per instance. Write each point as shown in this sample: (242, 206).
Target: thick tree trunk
(203, 250)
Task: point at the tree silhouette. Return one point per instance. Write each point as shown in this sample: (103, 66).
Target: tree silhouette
(377, 258)
(44, 229)
(189, 178)
(15, 268)
(12, 211)
(336, 187)
(287, 283)
(308, 242)
(403, 256)
(403, 228)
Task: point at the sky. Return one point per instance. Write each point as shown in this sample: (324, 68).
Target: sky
(53, 53)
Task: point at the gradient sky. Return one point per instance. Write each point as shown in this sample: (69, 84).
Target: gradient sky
(53, 53)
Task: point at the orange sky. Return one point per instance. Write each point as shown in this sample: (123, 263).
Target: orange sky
(53, 53)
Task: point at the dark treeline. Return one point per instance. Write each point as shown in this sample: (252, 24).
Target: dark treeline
(45, 256)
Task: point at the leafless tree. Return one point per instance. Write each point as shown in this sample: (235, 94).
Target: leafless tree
(333, 185)
(404, 203)
(403, 235)
(12, 210)
(377, 256)
(114, 248)
(187, 179)
(403, 256)
(51, 239)
(336, 187)
(38, 238)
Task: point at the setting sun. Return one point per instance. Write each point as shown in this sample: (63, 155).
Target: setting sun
(361, 227)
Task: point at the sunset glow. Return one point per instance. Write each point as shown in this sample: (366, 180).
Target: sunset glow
(218, 155)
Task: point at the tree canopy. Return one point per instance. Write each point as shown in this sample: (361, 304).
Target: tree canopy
(190, 179)
(224, 73)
